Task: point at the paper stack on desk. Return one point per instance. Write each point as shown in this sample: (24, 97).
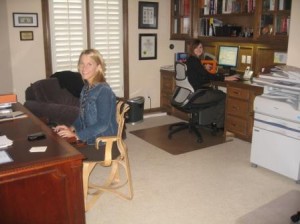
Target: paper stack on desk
(12, 115)
(5, 142)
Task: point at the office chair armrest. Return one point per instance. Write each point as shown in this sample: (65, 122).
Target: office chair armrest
(108, 140)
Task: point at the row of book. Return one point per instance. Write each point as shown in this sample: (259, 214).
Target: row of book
(212, 7)
(282, 25)
(183, 6)
(270, 5)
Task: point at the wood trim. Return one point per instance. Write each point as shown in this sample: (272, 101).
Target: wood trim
(47, 39)
(125, 49)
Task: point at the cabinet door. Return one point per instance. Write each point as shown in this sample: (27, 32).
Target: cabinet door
(274, 18)
(181, 18)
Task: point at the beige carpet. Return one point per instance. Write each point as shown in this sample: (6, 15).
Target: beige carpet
(214, 185)
(278, 211)
(181, 142)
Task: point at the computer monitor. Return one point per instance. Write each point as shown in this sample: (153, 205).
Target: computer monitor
(228, 57)
(181, 57)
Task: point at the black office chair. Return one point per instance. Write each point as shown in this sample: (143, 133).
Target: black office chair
(183, 99)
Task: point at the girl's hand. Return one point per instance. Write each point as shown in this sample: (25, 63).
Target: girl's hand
(67, 133)
(232, 78)
(60, 127)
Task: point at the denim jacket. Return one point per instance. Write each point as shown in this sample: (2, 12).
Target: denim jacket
(97, 113)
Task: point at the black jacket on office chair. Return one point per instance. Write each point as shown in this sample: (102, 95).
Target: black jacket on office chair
(183, 99)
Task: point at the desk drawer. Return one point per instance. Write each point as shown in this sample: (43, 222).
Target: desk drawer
(236, 125)
(238, 93)
(237, 107)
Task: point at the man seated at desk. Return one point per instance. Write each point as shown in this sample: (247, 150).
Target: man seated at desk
(198, 77)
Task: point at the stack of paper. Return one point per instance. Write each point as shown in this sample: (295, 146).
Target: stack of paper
(12, 115)
(5, 142)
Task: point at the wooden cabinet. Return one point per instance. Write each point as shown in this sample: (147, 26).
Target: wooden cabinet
(273, 18)
(262, 20)
(259, 27)
(239, 114)
(183, 19)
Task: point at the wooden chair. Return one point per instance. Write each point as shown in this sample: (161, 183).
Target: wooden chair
(115, 157)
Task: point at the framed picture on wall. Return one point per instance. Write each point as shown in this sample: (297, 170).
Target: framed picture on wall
(25, 19)
(147, 46)
(148, 15)
(26, 35)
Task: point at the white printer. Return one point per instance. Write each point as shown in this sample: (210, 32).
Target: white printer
(276, 131)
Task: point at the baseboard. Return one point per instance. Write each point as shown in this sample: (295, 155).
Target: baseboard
(158, 114)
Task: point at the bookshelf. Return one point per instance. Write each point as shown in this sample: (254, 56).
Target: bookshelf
(241, 20)
(182, 18)
(274, 18)
(259, 27)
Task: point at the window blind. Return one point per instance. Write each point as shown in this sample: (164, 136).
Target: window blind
(68, 29)
(106, 36)
(68, 33)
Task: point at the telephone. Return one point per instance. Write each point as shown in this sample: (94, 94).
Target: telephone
(248, 73)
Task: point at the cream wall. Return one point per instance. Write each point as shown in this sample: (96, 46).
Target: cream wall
(6, 84)
(294, 46)
(145, 74)
(27, 57)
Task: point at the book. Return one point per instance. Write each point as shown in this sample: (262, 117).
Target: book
(8, 98)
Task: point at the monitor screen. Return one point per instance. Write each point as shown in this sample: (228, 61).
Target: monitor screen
(228, 56)
(181, 57)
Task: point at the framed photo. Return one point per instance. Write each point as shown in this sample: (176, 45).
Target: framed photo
(26, 35)
(25, 19)
(148, 15)
(147, 46)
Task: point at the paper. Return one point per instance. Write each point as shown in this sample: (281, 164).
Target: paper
(5, 142)
(12, 115)
(38, 149)
(4, 157)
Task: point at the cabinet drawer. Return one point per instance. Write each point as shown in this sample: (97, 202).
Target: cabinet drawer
(236, 125)
(238, 93)
(167, 83)
(165, 103)
(237, 107)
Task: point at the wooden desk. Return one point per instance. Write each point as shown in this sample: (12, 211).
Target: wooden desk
(43, 187)
(239, 114)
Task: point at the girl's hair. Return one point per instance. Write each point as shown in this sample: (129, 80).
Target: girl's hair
(97, 57)
(195, 43)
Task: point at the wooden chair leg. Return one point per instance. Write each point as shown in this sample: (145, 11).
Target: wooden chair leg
(87, 169)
